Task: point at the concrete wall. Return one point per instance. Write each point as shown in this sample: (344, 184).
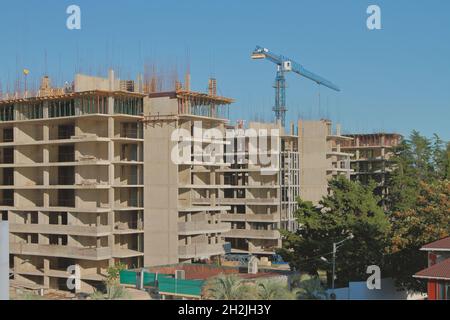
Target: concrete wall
(313, 160)
(160, 194)
(4, 260)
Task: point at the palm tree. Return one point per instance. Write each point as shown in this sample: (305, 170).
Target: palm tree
(229, 287)
(274, 290)
(310, 288)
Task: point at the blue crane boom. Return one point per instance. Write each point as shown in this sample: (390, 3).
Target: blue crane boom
(284, 65)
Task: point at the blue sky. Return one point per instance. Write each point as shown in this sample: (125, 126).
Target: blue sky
(394, 79)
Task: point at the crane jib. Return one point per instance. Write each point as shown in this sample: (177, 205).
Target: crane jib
(286, 65)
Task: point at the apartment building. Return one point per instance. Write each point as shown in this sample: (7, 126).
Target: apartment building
(321, 157)
(73, 186)
(72, 183)
(371, 158)
(98, 173)
(262, 187)
(184, 192)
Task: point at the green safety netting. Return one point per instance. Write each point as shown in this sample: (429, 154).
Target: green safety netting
(179, 286)
(128, 277)
(166, 283)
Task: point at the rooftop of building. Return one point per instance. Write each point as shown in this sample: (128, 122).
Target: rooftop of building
(200, 98)
(439, 271)
(377, 134)
(439, 245)
(72, 95)
(206, 271)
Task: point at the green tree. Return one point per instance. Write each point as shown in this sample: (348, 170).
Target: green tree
(417, 205)
(114, 291)
(351, 208)
(427, 221)
(447, 162)
(415, 160)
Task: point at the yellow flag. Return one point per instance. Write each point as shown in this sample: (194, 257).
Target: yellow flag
(26, 71)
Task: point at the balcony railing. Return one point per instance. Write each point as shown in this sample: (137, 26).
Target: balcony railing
(59, 229)
(202, 227)
(250, 217)
(253, 234)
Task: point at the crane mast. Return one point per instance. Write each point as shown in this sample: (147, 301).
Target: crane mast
(285, 65)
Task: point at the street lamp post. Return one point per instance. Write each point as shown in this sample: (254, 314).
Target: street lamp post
(334, 266)
(336, 246)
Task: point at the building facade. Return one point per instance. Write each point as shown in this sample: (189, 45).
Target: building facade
(183, 183)
(262, 187)
(321, 157)
(100, 173)
(72, 184)
(371, 158)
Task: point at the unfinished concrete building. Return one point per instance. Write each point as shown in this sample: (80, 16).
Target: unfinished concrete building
(73, 187)
(321, 157)
(72, 183)
(371, 157)
(96, 173)
(262, 187)
(183, 192)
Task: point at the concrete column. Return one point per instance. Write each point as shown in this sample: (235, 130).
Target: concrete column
(46, 195)
(46, 272)
(16, 263)
(45, 110)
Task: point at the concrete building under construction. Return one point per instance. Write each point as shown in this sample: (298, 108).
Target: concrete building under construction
(321, 157)
(263, 195)
(371, 158)
(105, 171)
(73, 181)
(262, 187)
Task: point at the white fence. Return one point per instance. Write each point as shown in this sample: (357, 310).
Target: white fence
(388, 291)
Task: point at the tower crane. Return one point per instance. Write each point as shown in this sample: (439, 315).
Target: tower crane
(285, 65)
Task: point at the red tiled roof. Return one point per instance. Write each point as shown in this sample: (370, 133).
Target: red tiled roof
(440, 245)
(439, 271)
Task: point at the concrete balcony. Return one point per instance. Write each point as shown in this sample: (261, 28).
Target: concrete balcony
(250, 217)
(61, 229)
(204, 208)
(57, 209)
(65, 275)
(202, 227)
(134, 227)
(56, 164)
(242, 201)
(202, 250)
(126, 253)
(56, 187)
(335, 170)
(339, 154)
(47, 250)
(253, 186)
(253, 234)
(73, 139)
